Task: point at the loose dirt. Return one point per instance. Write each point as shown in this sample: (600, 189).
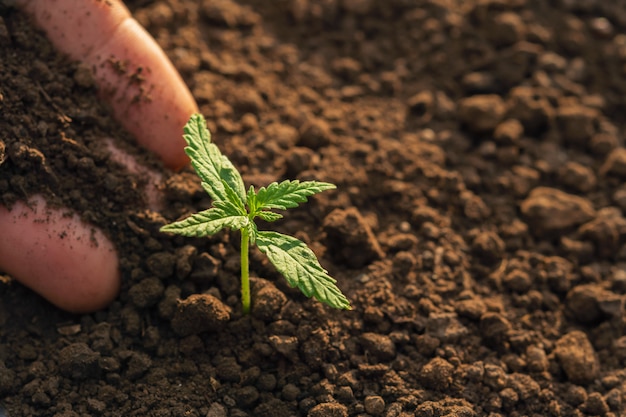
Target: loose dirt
(478, 227)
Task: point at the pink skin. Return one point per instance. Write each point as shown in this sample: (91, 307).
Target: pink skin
(63, 259)
(71, 264)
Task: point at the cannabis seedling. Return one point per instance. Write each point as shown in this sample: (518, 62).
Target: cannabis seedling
(235, 209)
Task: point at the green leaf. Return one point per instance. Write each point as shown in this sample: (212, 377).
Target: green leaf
(238, 205)
(214, 169)
(300, 267)
(269, 216)
(288, 194)
(206, 223)
(230, 208)
(251, 200)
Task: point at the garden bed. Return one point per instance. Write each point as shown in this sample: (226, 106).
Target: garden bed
(477, 227)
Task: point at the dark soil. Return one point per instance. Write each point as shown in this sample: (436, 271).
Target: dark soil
(478, 227)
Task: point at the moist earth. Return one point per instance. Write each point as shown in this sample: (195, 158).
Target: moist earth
(478, 226)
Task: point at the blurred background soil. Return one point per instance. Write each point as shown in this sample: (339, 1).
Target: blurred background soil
(478, 227)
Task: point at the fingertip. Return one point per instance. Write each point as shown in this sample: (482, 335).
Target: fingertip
(149, 96)
(71, 264)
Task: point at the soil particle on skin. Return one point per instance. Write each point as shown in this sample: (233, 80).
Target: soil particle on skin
(477, 226)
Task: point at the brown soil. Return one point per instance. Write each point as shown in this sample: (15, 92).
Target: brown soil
(477, 228)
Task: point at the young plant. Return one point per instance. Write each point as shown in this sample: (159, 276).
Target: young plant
(237, 209)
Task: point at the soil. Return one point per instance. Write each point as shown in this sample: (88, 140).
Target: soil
(478, 226)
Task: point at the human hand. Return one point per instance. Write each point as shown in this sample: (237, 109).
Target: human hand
(63, 259)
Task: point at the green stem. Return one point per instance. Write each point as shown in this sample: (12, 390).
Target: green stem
(245, 279)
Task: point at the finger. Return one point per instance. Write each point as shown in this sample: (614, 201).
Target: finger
(146, 93)
(72, 265)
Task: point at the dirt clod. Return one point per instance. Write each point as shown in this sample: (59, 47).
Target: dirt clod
(328, 410)
(615, 163)
(437, 374)
(161, 264)
(482, 112)
(488, 246)
(551, 210)
(577, 357)
(138, 364)
(79, 362)
(595, 405)
(199, 313)
(374, 405)
(380, 346)
(350, 238)
(577, 123)
(146, 293)
(267, 300)
(445, 326)
(591, 303)
(285, 345)
(495, 328)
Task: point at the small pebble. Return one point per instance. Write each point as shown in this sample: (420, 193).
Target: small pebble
(374, 405)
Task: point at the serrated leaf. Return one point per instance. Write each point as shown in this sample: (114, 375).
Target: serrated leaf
(206, 223)
(288, 194)
(214, 169)
(251, 200)
(237, 204)
(230, 208)
(300, 267)
(269, 216)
